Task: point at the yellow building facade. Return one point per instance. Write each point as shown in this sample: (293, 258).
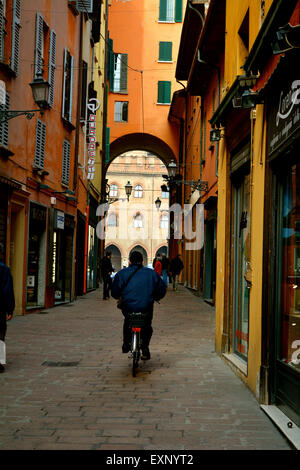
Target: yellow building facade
(257, 291)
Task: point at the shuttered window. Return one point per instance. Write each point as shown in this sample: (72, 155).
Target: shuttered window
(15, 40)
(67, 102)
(121, 111)
(170, 11)
(4, 106)
(39, 45)
(51, 73)
(164, 92)
(10, 27)
(2, 30)
(107, 144)
(84, 6)
(65, 177)
(165, 51)
(120, 73)
(40, 144)
(110, 63)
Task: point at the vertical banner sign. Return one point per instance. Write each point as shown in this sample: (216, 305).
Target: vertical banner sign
(93, 105)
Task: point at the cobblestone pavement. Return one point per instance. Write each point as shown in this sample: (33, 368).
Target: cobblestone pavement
(68, 386)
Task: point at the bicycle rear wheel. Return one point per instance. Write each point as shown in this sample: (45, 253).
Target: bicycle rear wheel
(135, 350)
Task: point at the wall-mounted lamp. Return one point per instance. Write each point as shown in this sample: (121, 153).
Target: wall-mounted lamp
(158, 203)
(40, 92)
(215, 135)
(245, 97)
(287, 38)
(173, 178)
(128, 189)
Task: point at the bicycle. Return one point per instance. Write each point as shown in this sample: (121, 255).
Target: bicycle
(136, 322)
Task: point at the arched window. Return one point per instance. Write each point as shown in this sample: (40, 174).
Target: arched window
(113, 190)
(138, 221)
(138, 191)
(112, 220)
(164, 221)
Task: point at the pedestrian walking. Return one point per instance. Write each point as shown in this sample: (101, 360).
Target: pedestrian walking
(7, 306)
(158, 266)
(165, 269)
(176, 266)
(139, 287)
(106, 270)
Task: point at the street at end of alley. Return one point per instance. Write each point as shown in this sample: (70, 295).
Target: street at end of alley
(67, 385)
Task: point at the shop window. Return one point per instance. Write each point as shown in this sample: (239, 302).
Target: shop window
(290, 269)
(164, 92)
(36, 260)
(67, 100)
(10, 26)
(121, 111)
(45, 54)
(40, 144)
(170, 11)
(138, 191)
(165, 51)
(241, 263)
(66, 163)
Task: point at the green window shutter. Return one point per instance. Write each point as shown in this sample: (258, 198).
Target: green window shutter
(165, 51)
(123, 78)
(163, 10)
(107, 144)
(111, 61)
(178, 11)
(164, 92)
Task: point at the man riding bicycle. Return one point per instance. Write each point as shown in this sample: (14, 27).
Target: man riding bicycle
(144, 288)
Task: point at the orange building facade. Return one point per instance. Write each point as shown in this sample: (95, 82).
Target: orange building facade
(44, 186)
(142, 64)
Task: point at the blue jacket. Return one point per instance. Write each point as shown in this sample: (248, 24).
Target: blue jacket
(142, 290)
(7, 298)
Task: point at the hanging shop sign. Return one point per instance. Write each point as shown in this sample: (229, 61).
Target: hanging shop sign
(59, 220)
(284, 110)
(93, 105)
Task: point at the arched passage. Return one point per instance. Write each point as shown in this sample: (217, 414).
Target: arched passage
(140, 141)
(141, 250)
(116, 257)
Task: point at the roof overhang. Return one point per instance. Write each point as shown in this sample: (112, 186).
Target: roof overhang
(278, 15)
(191, 30)
(177, 108)
(209, 49)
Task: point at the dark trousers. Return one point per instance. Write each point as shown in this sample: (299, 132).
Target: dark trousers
(107, 282)
(3, 326)
(146, 332)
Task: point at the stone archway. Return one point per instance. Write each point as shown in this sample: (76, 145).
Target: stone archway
(140, 141)
(141, 250)
(116, 257)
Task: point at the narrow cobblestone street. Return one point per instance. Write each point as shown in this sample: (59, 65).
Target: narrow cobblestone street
(68, 386)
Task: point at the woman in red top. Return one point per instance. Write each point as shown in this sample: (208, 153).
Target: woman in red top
(158, 267)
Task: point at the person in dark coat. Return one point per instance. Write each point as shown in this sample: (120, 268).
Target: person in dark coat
(176, 266)
(106, 270)
(7, 299)
(144, 288)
